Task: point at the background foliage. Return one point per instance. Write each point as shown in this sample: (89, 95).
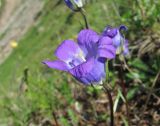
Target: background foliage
(37, 96)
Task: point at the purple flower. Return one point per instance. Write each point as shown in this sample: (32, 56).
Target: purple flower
(118, 40)
(84, 60)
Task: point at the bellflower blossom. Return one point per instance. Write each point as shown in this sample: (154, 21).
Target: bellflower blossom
(74, 4)
(119, 41)
(84, 60)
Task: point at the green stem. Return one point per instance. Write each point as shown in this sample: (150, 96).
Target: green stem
(107, 71)
(85, 19)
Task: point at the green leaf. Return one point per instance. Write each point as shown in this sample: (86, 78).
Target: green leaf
(132, 92)
(139, 64)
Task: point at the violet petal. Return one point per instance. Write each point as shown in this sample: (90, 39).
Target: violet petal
(57, 64)
(89, 72)
(87, 40)
(67, 50)
(106, 48)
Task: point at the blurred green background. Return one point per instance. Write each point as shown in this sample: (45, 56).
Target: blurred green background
(32, 94)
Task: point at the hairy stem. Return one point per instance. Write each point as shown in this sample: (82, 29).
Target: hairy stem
(110, 104)
(55, 118)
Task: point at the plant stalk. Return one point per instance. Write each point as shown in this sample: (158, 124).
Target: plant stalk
(110, 104)
(85, 19)
(55, 118)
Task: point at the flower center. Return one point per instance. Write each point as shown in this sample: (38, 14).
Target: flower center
(77, 59)
(80, 55)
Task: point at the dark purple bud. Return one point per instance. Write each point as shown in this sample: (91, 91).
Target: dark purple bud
(69, 4)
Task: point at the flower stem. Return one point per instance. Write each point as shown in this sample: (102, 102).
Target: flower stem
(85, 19)
(110, 104)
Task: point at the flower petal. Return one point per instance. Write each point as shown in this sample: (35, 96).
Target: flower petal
(90, 72)
(87, 40)
(57, 64)
(87, 37)
(126, 49)
(67, 51)
(109, 31)
(106, 48)
(115, 34)
(117, 39)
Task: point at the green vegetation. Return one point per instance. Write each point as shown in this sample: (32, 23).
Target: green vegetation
(2, 4)
(47, 91)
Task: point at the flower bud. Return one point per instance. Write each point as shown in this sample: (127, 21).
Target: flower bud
(75, 5)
